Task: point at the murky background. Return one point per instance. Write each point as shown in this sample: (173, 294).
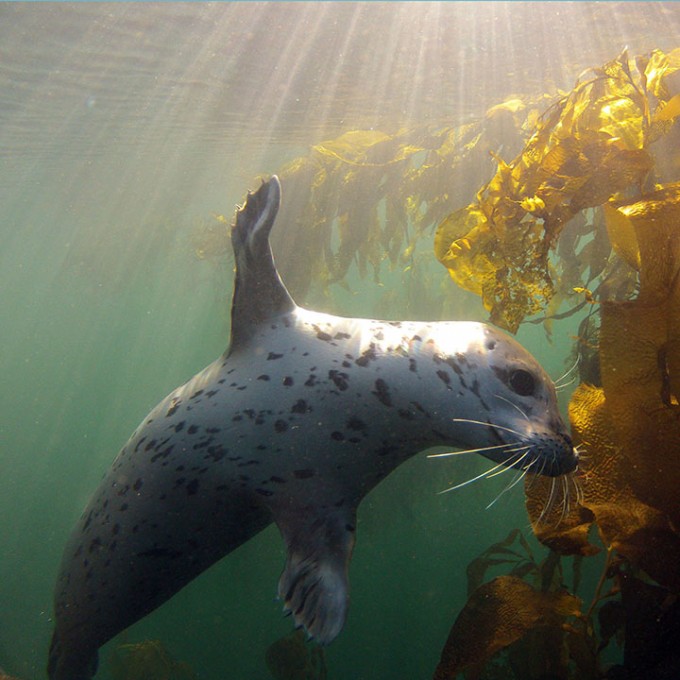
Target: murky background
(122, 128)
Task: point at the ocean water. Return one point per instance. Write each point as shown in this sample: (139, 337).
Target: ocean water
(123, 128)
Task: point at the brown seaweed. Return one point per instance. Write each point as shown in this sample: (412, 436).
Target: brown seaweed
(147, 660)
(291, 658)
(496, 615)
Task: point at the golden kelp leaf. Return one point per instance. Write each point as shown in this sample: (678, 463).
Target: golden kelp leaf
(497, 614)
(622, 236)
(588, 147)
(670, 111)
(452, 245)
(653, 224)
(660, 74)
(351, 146)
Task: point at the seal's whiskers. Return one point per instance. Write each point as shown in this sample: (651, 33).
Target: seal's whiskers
(563, 386)
(521, 474)
(549, 503)
(491, 472)
(496, 427)
(483, 449)
(558, 383)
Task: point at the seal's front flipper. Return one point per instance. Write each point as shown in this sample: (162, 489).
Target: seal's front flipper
(314, 585)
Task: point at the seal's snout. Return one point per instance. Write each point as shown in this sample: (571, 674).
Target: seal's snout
(553, 454)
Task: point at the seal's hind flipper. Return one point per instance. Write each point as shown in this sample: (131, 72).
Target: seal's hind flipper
(259, 293)
(314, 584)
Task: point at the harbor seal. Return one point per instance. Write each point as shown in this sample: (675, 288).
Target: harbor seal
(300, 418)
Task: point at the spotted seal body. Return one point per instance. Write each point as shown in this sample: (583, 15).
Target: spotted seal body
(295, 423)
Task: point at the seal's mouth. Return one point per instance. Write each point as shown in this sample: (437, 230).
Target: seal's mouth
(551, 455)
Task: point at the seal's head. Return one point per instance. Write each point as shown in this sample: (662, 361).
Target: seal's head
(513, 417)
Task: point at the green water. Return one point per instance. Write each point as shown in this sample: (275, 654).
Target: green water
(122, 126)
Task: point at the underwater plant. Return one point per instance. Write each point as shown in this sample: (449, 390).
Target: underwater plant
(147, 660)
(292, 658)
(625, 414)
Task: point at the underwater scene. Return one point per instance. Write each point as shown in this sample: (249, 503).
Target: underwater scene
(515, 164)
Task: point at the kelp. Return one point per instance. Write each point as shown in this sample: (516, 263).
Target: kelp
(367, 200)
(525, 612)
(291, 658)
(496, 615)
(369, 197)
(593, 145)
(628, 430)
(147, 660)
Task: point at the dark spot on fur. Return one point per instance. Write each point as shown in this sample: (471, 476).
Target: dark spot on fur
(264, 492)
(123, 507)
(216, 452)
(162, 454)
(337, 436)
(412, 365)
(323, 336)
(445, 378)
(355, 423)
(406, 414)
(339, 379)
(192, 487)
(278, 480)
(457, 369)
(304, 474)
(272, 356)
(367, 356)
(263, 377)
(342, 336)
(180, 426)
(174, 405)
(288, 381)
(193, 429)
(311, 381)
(382, 392)
(280, 426)
(300, 406)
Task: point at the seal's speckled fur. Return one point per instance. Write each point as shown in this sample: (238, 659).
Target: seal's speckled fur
(303, 415)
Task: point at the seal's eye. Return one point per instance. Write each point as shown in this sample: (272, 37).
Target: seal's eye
(522, 382)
